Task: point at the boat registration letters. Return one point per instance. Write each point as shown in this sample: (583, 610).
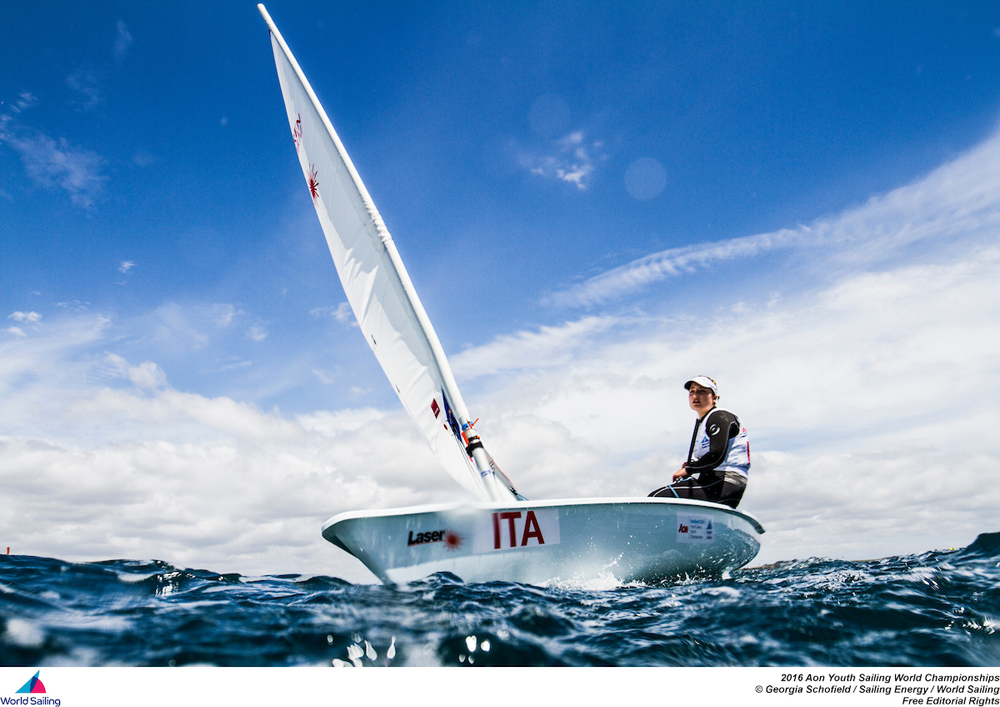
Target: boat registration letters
(517, 529)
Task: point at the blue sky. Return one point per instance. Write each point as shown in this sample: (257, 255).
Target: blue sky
(594, 201)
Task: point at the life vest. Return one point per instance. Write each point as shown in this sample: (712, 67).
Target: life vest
(737, 459)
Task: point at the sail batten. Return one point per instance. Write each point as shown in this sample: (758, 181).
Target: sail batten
(376, 283)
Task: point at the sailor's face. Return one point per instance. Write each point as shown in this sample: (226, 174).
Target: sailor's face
(701, 399)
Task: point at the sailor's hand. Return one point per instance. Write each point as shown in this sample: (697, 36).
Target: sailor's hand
(681, 474)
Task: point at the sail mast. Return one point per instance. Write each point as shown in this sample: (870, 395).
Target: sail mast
(487, 482)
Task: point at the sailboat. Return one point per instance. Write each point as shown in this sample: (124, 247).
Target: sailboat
(501, 536)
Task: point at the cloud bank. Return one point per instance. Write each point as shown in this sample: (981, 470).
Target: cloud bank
(868, 393)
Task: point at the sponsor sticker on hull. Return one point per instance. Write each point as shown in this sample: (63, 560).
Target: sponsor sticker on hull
(694, 528)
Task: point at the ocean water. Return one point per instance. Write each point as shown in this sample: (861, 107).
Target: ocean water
(939, 608)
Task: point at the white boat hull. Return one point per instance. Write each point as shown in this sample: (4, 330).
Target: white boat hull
(545, 542)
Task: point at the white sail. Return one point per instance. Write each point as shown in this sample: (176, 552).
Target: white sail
(378, 288)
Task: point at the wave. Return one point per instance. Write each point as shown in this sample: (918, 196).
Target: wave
(931, 609)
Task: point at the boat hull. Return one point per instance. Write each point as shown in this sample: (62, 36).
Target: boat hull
(547, 542)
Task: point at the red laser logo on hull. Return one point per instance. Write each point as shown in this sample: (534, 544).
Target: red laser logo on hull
(452, 540)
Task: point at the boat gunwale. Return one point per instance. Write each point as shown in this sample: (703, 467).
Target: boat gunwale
(616, 500)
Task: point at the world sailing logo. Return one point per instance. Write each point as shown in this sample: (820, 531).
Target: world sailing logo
(34, 686)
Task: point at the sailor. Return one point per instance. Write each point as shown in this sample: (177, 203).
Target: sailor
(719, 457)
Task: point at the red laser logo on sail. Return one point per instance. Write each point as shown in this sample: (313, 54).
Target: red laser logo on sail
(297, 132)
(313, 183)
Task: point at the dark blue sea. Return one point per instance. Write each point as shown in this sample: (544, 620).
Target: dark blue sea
(939, 608)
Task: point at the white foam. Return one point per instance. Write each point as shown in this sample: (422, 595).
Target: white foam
(26, 634)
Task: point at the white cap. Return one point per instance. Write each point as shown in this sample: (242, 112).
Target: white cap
(704, 382)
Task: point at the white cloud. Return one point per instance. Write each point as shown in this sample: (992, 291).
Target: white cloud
(180, 327)
(123, 40)
(550, 346)
(32, 317)
(181, 415)
(75, 305)
(147, 375)
(42, 358)
(342, 313)
(673, 262)
(222, 314)
(257, 333)
(196, 505)
(85, 82)
(572, 158)
(126, 266)
(56, 163)
(954, 203)
(323, 376)
(24, 101)
(333, 423)
(53, 163)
